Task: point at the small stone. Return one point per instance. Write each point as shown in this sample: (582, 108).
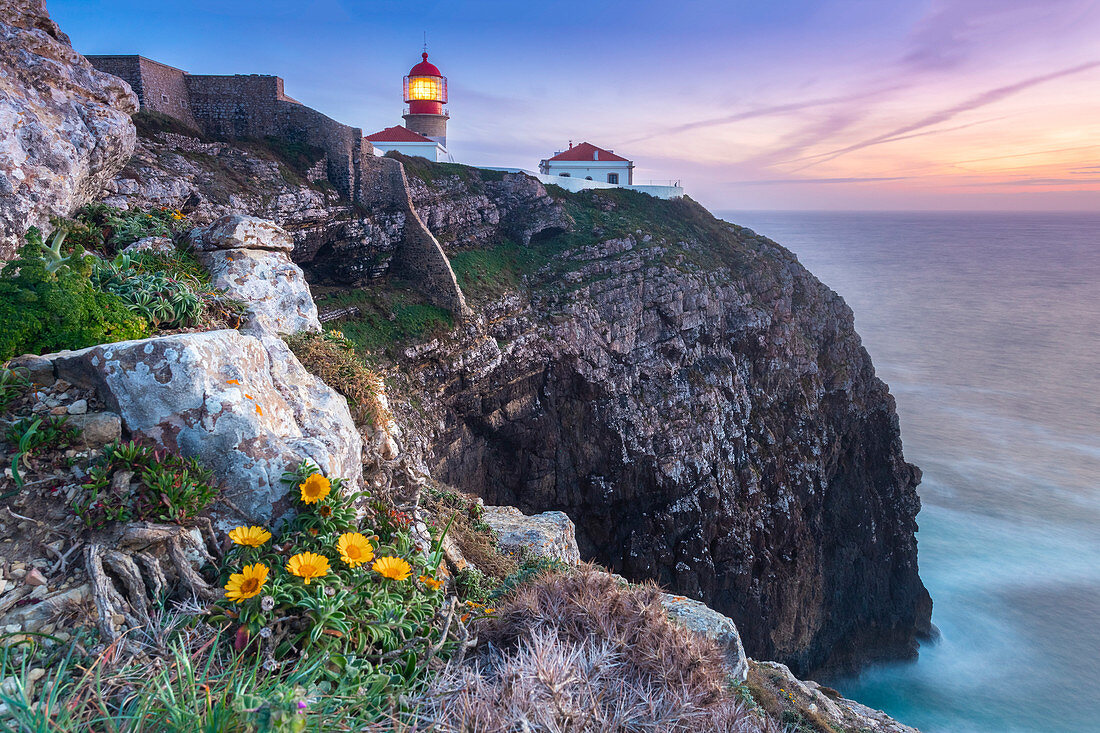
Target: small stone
(63, 636)
(60, 385)
(13, 628)
(59, 410)
(80, 407)
(98, 428)
(17, 573)
(10, 685)
(35, 577)
(38, 593)
(118, 619)
(36, 674)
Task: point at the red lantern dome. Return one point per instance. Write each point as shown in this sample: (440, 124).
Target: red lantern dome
(425, 89)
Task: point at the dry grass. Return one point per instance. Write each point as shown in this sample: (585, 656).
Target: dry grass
(335, 363)
(475, 541)
(578, 652)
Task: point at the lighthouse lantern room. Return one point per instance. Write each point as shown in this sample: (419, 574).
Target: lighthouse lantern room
(426, 92)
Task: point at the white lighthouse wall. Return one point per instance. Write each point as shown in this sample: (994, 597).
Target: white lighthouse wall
(430, 150)
(574, 184)
(598, 170)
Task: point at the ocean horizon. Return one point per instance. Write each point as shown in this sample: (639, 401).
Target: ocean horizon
(986, 326)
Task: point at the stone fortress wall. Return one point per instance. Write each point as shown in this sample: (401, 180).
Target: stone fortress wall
(240, 106)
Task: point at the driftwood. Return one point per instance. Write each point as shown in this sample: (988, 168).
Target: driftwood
(129, 568)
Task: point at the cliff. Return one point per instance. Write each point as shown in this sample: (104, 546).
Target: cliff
(697, 402)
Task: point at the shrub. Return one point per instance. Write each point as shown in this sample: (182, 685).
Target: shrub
(47, 305)
(32, 434)
(362, 597)
(332, 358)
(119, 227)
(579, 652)
(137, 481)
(13, 383)
(163, 301)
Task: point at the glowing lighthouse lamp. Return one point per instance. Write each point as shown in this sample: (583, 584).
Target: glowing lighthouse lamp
(426, 93)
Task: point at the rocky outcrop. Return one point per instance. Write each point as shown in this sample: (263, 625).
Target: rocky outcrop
(549, 534)
(708, 622)
(702, 408)
(65, 128)
(819, 703)
(249, 258)
(239, 401)
(478, 210)
(241, 404)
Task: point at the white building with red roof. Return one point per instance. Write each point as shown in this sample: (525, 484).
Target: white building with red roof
(407, 142)
(590, 163)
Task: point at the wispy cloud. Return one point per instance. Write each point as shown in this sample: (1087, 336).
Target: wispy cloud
(976, 102)
(769, 111)
(786, 181)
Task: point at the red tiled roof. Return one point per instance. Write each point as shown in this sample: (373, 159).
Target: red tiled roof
(588, 151)
(397, 134)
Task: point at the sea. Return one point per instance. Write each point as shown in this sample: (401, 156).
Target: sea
(986, 326)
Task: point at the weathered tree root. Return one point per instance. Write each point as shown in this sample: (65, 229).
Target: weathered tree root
(129, 569)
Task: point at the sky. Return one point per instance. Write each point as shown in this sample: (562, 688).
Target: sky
(770, 104)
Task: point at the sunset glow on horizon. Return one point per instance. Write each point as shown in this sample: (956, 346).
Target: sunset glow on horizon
(974, 104)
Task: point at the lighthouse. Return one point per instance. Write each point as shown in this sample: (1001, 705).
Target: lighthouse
(426, 93)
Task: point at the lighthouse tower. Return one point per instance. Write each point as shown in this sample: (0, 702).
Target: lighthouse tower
(426, 93)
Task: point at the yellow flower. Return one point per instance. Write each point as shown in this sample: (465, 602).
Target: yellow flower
(315, 488)
(430, 582)
(355, 549)
(393, 568)
(251, 536)
(308, 565)
(247, 583)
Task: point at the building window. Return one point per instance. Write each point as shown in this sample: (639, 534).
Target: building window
(564, 175)
(588, 178)
(164, 98)
(613, 178)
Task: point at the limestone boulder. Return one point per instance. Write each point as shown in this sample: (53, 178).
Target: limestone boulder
(823, 702)
(549, 534)
(65, 128)
(151, 245)
(250, 259)
(704, 620)
(242, 404)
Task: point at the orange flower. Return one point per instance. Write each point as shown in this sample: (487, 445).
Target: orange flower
(250, 536)
(355, 549)
(315, 488)
(430, 582)
(246, 584)
(393, 568)
(308, 565)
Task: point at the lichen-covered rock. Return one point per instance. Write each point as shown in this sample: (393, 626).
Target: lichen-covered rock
(249, 258)
(704, 620)
(243, 405)
(241, 232)
(822, 702)
(151, 245)
(65, 127)
(549, 534)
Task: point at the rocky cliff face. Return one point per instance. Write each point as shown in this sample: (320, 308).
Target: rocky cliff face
(695, 400)
(65, 128)
(701, 406)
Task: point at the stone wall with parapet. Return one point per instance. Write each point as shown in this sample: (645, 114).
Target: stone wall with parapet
(419, 258)
(159, 87)
(242, 106)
